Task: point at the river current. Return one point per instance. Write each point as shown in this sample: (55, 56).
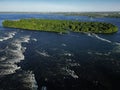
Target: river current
(32, 60)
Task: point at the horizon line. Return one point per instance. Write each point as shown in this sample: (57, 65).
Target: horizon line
(52, 11)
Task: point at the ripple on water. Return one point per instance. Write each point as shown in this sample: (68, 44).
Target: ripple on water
(7, 36)
(11, 72)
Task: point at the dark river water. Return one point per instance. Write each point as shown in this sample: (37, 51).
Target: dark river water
(32, 60)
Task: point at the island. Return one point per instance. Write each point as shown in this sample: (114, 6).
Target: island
(61, 26)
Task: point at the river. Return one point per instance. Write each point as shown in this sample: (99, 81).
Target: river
(32, 60)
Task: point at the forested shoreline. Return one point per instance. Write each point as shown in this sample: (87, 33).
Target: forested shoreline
(61, 26)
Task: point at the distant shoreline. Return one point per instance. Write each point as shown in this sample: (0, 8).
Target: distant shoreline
(63, 12)
(111, 14)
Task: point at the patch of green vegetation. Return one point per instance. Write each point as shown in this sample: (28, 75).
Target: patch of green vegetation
(61, 26)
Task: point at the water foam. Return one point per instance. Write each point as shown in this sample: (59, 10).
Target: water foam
(74, 64)
(7, 36)
(13, 53)
(64, 45)
(28, 79)
(44, 88)
(43, 53)
(34, 39)
(25, 39)
(71, 73)
(66, 53)
(116, 49)
(99, 53)
(100, 38)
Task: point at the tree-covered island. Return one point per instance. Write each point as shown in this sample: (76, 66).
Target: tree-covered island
(61, 26)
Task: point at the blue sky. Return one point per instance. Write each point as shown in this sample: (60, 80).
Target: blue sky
(59, 5)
